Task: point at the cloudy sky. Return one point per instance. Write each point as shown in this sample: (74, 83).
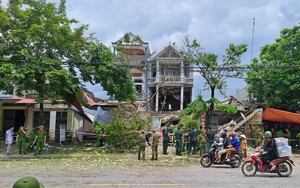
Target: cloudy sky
(214, 23)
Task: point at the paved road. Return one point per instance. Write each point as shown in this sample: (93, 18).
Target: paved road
(96, 169)
(147, 173)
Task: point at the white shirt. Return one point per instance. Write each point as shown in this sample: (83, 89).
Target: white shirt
(10, 138)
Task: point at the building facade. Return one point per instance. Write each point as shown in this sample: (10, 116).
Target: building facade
(163, 80)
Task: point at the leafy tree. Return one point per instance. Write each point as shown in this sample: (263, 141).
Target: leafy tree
(213, 71)
(41, 50)
(274, 81)
(200, 106)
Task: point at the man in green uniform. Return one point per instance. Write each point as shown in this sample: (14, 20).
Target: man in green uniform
(166, 140)
(202, 142)
(288, 135)
(154, 144)
(40, 139)
(179, 139)
(21, 139)
(193, 140)
(210, 138)
(279, 134)
(31, 140)
(142, 145)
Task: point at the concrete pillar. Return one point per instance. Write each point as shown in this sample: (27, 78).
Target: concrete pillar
(192, 94)
(52, 124)
(157, 71)
(1, 117)
(30, 116)
(70, 122)
(181, 97)
(157, 98)
(181, 71)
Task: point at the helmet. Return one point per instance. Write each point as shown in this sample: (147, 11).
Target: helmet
(234, 134)
(268, 134)
(28, 182)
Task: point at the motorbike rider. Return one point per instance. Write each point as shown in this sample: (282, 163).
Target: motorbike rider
(220, 146)
(271, 149)
(235, 145)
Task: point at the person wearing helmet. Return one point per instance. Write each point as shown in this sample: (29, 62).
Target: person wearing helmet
(271, 149)
(235, 145)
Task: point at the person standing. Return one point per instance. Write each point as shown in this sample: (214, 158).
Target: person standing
(9, 139)
(210, 138)
(244, 146)
(142, 145)
(179, 140)
(21, 139)
(154, 145)
(202, 142)
(40, 140)
(166, 140)
(193, 141)
(30, 145)
(288, 135)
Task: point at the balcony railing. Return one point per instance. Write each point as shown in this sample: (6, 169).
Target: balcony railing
(170, 79)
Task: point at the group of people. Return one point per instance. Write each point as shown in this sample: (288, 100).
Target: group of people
(37, 138)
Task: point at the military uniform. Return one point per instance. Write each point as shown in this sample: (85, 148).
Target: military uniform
(142, 146)
(210, 139)
(178, 137)
(166, 141)
(21, 141)
(202, 143)
(193, 141)
(154, 145)
(31, 140)
(41, 137)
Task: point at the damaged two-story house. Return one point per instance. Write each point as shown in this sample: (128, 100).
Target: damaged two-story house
(164, 81)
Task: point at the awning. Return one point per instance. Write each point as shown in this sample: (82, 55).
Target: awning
(271, 114)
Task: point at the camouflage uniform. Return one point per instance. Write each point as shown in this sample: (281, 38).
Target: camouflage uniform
(142, 146)
(154, 145)
(202, 142)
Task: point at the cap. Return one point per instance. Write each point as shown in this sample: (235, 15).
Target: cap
(28, 182)
(243, 136)
(41, 126)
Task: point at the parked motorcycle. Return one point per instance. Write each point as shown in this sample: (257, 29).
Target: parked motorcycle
(254, 163)
(209, 158)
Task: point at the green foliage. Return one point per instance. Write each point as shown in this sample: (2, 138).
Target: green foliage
(274, 80)
(214, 72)
(188, 121)
(122, 131)
(114, 77)
(195, 108)
(41, 49)
(199, 107)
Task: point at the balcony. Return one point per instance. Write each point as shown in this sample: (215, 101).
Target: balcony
(171, 79)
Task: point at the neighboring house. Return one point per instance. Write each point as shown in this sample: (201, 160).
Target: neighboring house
(165, 80)
(17, 111)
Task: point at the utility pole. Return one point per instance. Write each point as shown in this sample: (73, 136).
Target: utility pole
(253, 22)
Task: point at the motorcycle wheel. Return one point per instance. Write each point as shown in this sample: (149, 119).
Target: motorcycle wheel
(206, 161)
(284, 169)
(249, 169)
(237, 162)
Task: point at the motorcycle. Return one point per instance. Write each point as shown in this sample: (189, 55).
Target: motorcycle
(255, 163)
(209, 158)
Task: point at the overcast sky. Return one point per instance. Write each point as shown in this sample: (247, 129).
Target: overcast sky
(214, 23)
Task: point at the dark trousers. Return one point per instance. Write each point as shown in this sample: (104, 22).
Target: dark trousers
(192, 145)
(178, 147)
(165, 146)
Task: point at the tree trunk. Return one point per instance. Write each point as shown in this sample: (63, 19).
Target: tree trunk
(42, 119)
(212, 105)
